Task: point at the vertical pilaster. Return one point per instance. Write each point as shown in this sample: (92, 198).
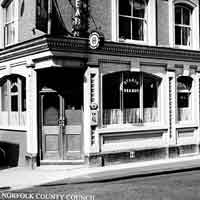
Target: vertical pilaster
(172, 108)
(86, 114)
(91, 113)
(32, 126)
(196, 108)
(198, 102)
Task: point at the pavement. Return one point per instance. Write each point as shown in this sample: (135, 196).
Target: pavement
(19, 178)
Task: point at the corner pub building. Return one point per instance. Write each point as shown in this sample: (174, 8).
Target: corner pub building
(67, 98)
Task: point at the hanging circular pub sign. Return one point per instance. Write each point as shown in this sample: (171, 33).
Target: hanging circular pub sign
(95, 40)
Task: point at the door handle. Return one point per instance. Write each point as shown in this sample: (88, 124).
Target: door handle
(61, 122)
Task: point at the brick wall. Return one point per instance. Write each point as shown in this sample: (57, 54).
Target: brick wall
(101, 12)
(27, 15)
(162, 23)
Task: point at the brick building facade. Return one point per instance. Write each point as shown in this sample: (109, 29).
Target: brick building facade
(135, 97)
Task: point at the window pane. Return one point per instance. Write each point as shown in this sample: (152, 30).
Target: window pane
(4, 93)
(138, 8)
(14, 89)
(177, 15)
(150, 92)
(14, 103)
(184, 83)
(150, 98)
(131, 90)
(185, 36)
(124, 8)
(137, 29)
(183, 100)
(124, 28)
(186, 16)
(23, 96)
(111, 98)
(14, 93)
(177, 35)
(131, 97)
(51, 110)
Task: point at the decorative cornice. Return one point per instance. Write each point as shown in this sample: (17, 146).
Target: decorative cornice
(71, 45)
(131, 50)
(24, 49)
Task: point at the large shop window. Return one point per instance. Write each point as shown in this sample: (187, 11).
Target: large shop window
(132, 19)
(184, 84)
(183, 26)
(9, 25)
(13, 101)
(130, 97)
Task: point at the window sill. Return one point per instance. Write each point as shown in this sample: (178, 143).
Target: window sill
(13, 128)
(128, 41)
(186, 124)
(9, 45)
(132, 128)
(183, 47)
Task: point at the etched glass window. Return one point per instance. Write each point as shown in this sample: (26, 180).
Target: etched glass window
(130, 97)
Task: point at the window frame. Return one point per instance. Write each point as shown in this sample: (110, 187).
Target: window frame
(131, 17)
(183, 6)
(194, 7)
(150, 32)
(141, 100)
(8, 83)
(189, 93)
(14, 21)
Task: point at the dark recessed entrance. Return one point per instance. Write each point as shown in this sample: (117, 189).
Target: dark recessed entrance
(61, 105)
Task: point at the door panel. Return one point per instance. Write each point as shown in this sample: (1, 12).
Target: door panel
(61, 126)
(51, 129)
(51, 109)
(73, 125)
(73, 117)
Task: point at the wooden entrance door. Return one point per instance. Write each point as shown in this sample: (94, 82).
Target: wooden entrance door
(73, 125)
(61, 127)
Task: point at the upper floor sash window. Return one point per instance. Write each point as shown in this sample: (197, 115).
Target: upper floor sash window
(183, 26)
(132, 19)
(9, 25)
